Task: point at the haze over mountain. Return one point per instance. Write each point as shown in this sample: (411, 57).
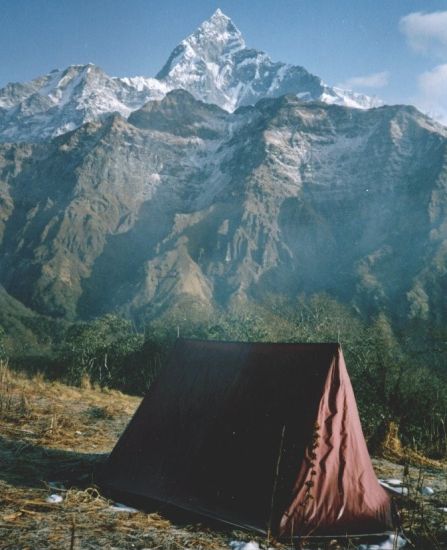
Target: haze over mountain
(213, 64)
(180, 201)
(285, 196)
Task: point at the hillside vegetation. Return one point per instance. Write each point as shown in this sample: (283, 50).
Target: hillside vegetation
(398, 376)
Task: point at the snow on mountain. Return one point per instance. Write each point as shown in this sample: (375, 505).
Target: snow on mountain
(64, 100)
(301, 197)
(348, 98)
(213, 64)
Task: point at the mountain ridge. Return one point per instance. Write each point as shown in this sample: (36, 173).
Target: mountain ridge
(213, 63)
(187, 203)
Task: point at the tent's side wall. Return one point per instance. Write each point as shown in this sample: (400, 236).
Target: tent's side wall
(229, 431)
(208, 435)
(336, 490)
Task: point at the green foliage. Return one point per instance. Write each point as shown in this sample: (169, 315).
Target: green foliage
(392, 380)
(397, 376)
(99, 350)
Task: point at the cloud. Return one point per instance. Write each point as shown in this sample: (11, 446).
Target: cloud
(374, 80)
(426, 32)
(434, 83)
(432, 97)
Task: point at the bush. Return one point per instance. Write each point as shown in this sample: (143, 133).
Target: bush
(397, 377)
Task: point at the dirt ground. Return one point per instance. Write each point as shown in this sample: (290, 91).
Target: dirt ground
(52, 439)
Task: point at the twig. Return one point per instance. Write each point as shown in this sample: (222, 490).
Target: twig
(20, 430)
(72, 536)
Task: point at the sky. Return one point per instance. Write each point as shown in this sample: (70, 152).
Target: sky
(395, 49)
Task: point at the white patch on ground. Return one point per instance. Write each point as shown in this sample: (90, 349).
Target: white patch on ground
(393, 488)
(54, 499)
(119, 507)
(240, 545)
(394, 482)
(392, 542)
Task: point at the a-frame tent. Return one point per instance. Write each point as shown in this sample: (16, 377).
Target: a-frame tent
(261, 436)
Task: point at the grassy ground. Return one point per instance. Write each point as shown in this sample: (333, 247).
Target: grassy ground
(51, 433)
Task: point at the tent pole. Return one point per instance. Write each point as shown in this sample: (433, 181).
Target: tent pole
(275, 483)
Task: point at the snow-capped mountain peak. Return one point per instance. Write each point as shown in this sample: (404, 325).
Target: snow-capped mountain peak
(218, 29)
(213, 64)
(209, 47)
(63, 100)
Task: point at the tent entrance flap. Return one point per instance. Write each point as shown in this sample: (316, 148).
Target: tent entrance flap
(265, 436)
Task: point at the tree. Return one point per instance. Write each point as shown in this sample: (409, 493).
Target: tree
(95, 348)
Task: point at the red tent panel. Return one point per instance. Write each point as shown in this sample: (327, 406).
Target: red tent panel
(336, 489)
(229, 431)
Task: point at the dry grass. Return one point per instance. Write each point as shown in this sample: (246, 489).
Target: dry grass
(421, 515)
(392, 449)
(59, 416)
(49, 432)
(84, 520)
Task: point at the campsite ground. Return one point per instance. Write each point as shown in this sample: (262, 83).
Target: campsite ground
(53, 437)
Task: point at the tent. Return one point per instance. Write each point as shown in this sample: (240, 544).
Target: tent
(260, 436)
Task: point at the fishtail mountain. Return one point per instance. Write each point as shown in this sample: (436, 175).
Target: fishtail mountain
(213, 64)
(224, 179)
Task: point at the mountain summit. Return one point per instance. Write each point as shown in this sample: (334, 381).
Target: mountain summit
(213, 64)
(212, 45)
(63, 100)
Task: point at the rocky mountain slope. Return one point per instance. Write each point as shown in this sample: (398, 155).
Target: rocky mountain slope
(213, 64)
(186, 203)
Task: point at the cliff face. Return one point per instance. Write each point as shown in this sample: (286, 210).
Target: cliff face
(184, 201)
